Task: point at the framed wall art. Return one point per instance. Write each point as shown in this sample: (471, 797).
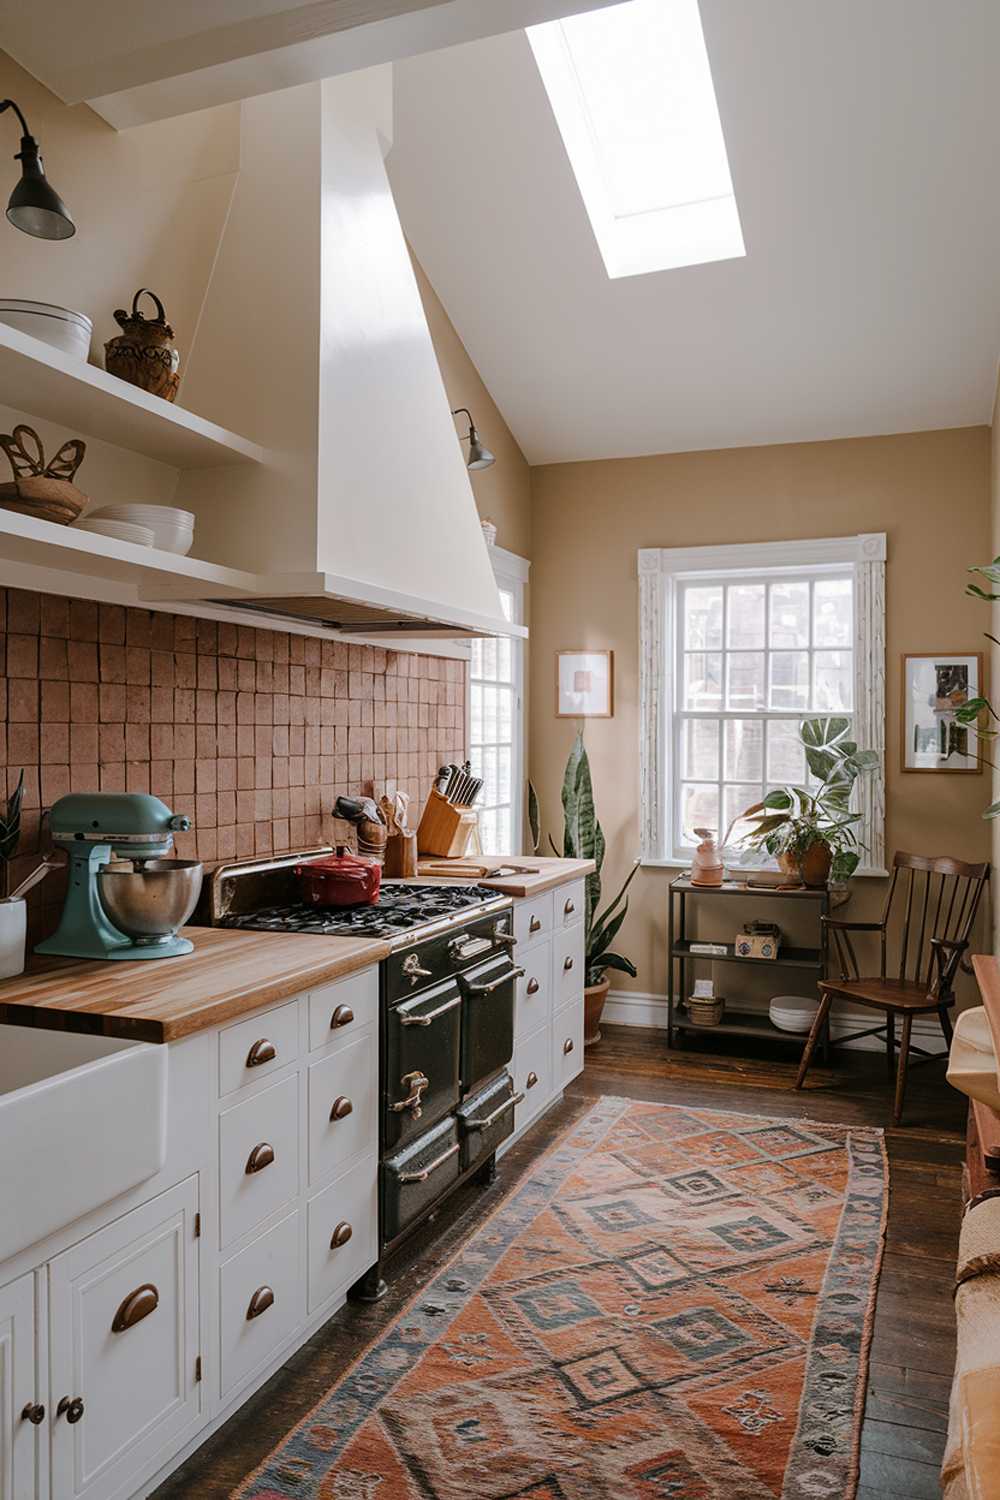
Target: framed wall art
(935, 685)
(585, 684)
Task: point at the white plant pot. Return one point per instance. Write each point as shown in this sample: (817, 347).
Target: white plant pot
(13, 927)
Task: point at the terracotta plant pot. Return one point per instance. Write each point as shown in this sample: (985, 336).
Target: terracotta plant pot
(789, 865)
(594, 997)
(815, 864)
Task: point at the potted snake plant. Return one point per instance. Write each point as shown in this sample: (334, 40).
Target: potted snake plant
(583, 838)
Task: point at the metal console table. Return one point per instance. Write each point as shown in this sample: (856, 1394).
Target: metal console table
(736, 1022)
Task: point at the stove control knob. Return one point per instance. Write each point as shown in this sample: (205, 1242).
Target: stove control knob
(413, 970)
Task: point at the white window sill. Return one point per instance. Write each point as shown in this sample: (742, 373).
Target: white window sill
(685, 864)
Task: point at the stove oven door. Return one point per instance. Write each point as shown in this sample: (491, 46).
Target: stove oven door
(488, 1019)
(414, 1178)
(485, 1119)
(421, 1062)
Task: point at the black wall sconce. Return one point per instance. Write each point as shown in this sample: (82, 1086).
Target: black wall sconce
(35, 207)
(480, 456)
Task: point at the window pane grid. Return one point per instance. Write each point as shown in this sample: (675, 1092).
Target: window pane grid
(493, 723)
(754, 658)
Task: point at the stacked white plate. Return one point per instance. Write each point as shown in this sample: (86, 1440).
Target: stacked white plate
(793, 1012)
(125, 531)
(59, 326)
(173, 530)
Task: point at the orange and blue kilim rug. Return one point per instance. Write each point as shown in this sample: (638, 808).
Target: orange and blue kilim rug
(673, 1304)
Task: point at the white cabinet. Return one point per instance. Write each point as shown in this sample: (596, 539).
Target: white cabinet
(343, 1106)
(260, 1301)
(343, 1233)
(258, 1158)
(21, 1415)
(123, 1330)
(252, 1049)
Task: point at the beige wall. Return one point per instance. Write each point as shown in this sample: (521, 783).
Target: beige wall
(994, 678)
(928, 491)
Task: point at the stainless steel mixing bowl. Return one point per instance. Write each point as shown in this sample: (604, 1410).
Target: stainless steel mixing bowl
(152, 900)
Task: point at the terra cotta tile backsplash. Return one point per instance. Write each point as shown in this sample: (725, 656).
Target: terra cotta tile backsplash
(252, 732)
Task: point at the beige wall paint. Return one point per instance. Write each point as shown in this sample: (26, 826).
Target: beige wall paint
(503, 492)
(928, 491)
(994, 650)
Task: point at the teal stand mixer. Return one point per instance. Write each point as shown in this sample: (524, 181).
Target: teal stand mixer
(125, 898)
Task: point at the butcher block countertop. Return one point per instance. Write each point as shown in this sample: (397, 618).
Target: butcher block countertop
(536, 873)
(161, 1000)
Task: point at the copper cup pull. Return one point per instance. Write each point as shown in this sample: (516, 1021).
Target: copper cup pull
(535, 925)
(342, 1107)
(136, 1306)
(261, 1052)
(567, 964)
(34, 1413)
(342, 1016)
(260, 1157)
(569, 908)
(533, 986)
(531, 1080)
(262, 1299)
(340, 1235)
(567, 1046)
(70, 1407)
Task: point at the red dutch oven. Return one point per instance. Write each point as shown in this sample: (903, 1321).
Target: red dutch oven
(340, 879)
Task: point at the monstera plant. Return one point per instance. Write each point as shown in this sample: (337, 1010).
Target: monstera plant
(583, 838)
(812, 832)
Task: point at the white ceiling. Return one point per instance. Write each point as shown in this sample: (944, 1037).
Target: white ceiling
(864, 142)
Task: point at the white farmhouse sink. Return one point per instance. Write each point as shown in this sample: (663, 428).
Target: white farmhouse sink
(82, 1119)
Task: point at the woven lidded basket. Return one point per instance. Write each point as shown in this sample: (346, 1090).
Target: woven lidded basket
(705, 1012)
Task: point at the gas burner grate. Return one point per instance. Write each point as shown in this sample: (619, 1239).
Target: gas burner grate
(398, 909)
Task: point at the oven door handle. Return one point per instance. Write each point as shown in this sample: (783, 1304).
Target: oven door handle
(425, 1172)
(488, 986)
(492, 1118)
(431, 1015)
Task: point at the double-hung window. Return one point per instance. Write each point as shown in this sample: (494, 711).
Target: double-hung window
(496, 715)
(739, 645)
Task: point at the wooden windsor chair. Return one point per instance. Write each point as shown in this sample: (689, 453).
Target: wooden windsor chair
(940, 898)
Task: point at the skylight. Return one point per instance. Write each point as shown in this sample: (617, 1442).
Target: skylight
(631, 89)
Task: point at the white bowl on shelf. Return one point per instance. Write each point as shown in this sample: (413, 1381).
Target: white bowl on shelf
(122, 531)
(793, 1012)
(173, 529)
(60, 327)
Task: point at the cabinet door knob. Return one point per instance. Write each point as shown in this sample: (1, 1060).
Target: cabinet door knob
(260, 1157)
(533, 986)
(567, 1046)
(261, 1052)
(262, 1299)
(342, 1107)
(567, 964)
(569, 908)
(34, 1413)
(70, 1407)
(535, 925)
(531, 1080)
(136, 1306)
(340, 1235)
(342, 1016)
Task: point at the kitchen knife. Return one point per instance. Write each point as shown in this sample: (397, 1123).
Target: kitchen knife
(453, 775)
(456, 792)
(474, 790)
(442, 778)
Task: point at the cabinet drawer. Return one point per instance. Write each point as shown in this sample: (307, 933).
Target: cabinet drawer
(343, 1106)
(124, 1339)
(567, 1043)
(19, 1387)
(337, 1258)
(533, 1001)
(340, 1010)
(260, 1301)
(258, 1158)
(568, 902)
(262, 1044)
(532, 919)
(567, 965)
(533, 1074)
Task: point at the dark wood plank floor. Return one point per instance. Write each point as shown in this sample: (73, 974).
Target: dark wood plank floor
(913, 1349)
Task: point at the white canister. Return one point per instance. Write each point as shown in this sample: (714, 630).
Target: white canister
(13, 928)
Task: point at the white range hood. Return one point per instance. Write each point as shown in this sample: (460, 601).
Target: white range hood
(313, 338)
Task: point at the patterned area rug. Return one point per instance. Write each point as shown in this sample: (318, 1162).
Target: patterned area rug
(674, 1304)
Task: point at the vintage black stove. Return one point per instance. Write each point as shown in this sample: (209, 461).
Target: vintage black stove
(446, 1025)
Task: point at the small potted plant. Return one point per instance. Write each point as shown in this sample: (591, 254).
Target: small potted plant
(583, 838)
(811, 833)
(13, 922)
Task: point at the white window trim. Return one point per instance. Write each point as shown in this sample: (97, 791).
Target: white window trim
(511, 571)
(660, 568)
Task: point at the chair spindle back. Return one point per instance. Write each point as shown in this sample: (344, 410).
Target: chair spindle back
(940, 898)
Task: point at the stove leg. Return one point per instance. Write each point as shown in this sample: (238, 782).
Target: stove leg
(487, 1173)
(371, 1287)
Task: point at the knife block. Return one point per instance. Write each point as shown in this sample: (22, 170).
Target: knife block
(445, 830)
